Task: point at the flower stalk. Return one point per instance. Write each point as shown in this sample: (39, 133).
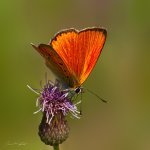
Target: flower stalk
(56, 147)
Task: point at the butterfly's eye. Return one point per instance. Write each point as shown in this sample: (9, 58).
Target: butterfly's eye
(78, 90)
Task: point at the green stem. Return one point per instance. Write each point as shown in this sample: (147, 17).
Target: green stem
(56, 147)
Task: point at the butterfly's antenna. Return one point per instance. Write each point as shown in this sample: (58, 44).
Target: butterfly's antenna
(96, 96)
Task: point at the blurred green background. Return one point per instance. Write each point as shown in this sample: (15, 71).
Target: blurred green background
(122, 74)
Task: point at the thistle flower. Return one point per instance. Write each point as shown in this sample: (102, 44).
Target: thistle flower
(55, 103)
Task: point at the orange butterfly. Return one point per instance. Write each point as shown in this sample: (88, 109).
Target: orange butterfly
(72, 54)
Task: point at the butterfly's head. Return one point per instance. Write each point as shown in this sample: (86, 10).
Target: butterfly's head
(78, 90)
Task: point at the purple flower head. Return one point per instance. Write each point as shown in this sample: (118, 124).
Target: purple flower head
(54, 100)
(55, 103)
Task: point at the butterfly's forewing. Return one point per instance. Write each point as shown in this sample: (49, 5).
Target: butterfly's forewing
(94, 40)
(55, 63)
(79, 50)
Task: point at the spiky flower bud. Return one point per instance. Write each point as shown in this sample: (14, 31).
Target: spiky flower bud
(56, 132)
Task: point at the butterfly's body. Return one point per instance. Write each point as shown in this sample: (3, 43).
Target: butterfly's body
(72, 54)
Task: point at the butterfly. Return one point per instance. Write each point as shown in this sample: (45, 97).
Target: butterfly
(72, 54)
